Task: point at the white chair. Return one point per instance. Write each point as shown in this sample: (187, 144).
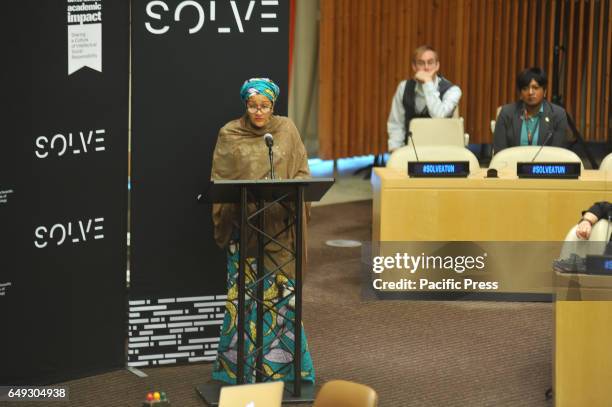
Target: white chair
(507, 158)
(437, 132)
(596, 244)
(606, 163)
(400, 157)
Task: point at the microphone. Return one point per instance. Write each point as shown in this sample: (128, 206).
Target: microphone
(413, 146)
(269, 140)
(270, 143)
(550, 133)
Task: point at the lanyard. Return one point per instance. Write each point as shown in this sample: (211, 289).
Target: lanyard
(531, 131)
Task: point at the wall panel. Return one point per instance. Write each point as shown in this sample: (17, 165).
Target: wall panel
(366, 48)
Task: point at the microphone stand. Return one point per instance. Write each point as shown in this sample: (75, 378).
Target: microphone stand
(413, 146)
(271, 156)
(580, 140)
(542, 146)
(557, 99)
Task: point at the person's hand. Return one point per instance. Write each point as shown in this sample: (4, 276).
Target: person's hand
(423, 76)
(583, 230)
(434, 72)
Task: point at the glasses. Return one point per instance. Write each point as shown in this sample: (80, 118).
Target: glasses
(263, 109)
(421, 63)
(530, 88)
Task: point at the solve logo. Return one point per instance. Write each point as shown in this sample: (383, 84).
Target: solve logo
(81, 142)
(4, 287)
(71, 232)
(157, 9)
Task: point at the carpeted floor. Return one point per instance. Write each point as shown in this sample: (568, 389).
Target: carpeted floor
(418, 353)
(414, 353)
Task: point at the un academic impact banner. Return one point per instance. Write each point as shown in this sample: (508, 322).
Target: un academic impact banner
(189, 60)
(63, 188)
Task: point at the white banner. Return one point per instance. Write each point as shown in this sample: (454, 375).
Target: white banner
(84, 18)
(84, 47)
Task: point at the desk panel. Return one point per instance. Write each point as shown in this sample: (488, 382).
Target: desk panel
(477, 209)
(583, 353)
(480, 209)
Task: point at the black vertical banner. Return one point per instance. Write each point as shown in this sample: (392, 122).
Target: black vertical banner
(190, 59)
(63, 188)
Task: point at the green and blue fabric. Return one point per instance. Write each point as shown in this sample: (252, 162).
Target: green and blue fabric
(278, 328)
(259, 86)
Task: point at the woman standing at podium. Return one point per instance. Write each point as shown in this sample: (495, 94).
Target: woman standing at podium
(241, 153)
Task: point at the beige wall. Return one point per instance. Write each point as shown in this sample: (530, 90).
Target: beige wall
(303, 93)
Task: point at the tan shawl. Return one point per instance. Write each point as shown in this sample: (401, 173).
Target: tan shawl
(241, 153)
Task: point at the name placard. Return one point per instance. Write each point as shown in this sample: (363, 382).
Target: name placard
(442, 169)
(559, 170)
(599, 264)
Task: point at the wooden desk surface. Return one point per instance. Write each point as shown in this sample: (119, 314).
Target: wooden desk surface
(481, 209)
(583, 353)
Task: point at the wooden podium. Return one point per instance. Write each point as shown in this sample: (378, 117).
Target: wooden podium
(583, 340)
(291, 194)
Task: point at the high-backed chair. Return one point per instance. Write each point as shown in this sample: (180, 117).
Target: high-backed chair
(606, 163)
(445, 131)
(342, 393)
(400, 157)
(507, 158)
(596, 244)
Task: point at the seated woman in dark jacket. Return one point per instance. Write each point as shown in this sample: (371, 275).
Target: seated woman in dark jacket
(600, 210)
(532, 120)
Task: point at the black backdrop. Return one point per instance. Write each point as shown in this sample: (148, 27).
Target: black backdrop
(63, 205)
(185, 87)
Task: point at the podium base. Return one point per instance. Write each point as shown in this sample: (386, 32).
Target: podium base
(210, 393)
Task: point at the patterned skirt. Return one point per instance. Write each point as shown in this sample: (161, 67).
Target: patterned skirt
(278, 328)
